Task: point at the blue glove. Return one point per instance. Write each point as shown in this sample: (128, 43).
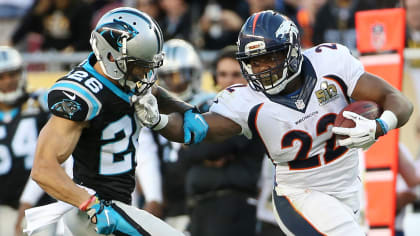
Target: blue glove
(109, 220)
(194, 123)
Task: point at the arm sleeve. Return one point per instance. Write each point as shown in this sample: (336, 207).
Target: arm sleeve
(336, 59)
(148, 167)
(31, 193)
(233, 105)
(355, 70)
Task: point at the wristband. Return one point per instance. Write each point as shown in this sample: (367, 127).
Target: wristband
(390, 119)
(163, 121)
(383, 125)
(85, 204)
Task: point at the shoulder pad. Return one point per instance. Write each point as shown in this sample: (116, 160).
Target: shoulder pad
(72, 100)
(336, 59)
(235, 103)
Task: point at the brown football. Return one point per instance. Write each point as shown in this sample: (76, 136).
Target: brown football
(367, 109)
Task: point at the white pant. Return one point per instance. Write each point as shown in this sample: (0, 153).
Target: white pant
(308, 212)
(77, 222)
(178, 222)
(8, 217)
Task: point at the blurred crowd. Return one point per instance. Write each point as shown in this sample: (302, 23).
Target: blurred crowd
(200, 192)
(65, 25)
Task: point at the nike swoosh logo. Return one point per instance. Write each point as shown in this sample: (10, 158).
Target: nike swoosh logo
(72, 97)
(107, 217)
(199, 118)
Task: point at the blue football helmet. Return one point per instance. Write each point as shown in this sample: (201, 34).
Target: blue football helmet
(124, 39)
(269, 32)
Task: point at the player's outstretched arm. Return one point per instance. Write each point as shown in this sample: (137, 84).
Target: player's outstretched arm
(220, 128)
(56, 142)
(169, 103)
(372, 88)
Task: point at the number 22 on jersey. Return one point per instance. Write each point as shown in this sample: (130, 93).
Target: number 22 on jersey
(302, 159)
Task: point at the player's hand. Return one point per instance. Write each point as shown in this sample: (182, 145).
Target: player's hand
(195, 127)
(361, 136)
(108, 220)
(146, 108)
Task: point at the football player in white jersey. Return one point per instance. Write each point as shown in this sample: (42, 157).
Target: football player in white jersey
(290, 103)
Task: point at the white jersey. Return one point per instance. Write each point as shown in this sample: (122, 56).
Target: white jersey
(296, 130)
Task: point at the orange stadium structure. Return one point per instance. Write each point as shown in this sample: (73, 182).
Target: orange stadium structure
(381, 34)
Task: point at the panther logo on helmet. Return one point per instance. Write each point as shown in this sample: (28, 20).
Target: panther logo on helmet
(125, 38)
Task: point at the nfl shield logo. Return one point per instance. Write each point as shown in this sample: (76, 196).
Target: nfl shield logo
(378, 37)
(300, 104)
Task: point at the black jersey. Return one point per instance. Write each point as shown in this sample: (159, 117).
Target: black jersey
(104, 157)
(19, 128)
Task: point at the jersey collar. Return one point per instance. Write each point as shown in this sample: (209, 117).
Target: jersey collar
(114, 88)
(299, 102)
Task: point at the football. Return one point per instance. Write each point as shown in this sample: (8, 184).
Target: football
(367, 109)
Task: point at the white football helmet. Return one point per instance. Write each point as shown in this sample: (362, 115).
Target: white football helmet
(125, 38)
(181, 69)
(11, 62)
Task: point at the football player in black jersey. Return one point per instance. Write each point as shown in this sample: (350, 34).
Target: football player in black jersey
(22, 116)
(95, 119)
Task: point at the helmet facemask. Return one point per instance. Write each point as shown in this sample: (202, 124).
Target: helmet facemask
(273, 80)
(270, 33)
(138, 76)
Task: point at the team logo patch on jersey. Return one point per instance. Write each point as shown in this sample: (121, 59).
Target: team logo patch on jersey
(67, 107)
(326, 93)
(300, 104)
